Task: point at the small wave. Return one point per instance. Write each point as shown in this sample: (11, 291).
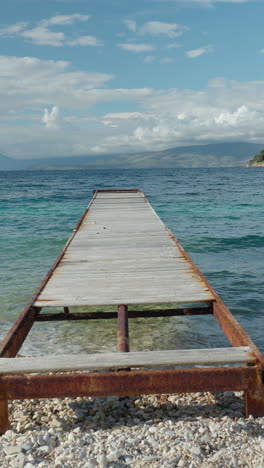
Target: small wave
(216, 244)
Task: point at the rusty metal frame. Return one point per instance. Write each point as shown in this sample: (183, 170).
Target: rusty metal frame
(248, 378)
(148, 313)
(129, 382)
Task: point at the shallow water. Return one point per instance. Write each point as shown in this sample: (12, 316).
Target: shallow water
(217, 215)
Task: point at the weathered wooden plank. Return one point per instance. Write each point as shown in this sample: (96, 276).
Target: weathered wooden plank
(79, 362)
(133, 280)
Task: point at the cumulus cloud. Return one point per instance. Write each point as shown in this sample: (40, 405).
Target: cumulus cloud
(51, 119)
(157, 28)
(43, 36)
(137, 48)
(225, 110)
(42, 82)
(37, 92)
(194, 53)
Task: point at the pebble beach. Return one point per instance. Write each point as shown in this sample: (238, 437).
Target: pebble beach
(200, 430)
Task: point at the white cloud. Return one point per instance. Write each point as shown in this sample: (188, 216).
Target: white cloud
(131, 25)
(86, 41)
(262, 51)
(137, 48)
(13, 29)
(51, 119)
(43, 82)
(240, 115)
(64, 19)
(124, 115)
(43, 36)
(223, 110)
(157, 28)
(200, 51)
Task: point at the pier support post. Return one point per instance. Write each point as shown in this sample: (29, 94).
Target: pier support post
(4, 421)
(254, 399)
(122, 329)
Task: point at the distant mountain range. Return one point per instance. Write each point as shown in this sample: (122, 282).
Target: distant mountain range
(211, 155)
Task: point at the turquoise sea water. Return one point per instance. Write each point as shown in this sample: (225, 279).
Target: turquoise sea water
(217, 215)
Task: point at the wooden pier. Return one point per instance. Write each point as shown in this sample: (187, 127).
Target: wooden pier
(121, 253)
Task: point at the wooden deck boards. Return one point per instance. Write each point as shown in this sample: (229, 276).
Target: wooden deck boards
(139, 359)
(122, 253)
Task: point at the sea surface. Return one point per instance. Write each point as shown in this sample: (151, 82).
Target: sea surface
(216, 214)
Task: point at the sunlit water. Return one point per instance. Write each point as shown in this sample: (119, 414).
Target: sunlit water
(217, 214)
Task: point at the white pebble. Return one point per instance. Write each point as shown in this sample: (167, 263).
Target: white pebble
(114, 456)
(102, 461)
(196, 450)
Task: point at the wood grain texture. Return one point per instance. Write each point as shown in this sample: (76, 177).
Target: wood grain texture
(79, 362)
(122, 253)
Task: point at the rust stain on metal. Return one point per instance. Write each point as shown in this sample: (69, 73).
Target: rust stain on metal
(131, 314)
(3, 414)
(230, 326)
(254, 397)
(129, 382)
(233, 330)
(122, 329)
(18, 332)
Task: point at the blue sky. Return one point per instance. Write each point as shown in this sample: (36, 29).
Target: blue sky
(105, 76)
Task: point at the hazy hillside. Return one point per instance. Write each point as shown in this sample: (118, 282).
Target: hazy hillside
(211, 155)
(7, 164)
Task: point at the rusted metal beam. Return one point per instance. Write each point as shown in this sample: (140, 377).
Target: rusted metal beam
(131, 314)
(122, 329)
(236, 335)
(14, 339)
(123, 383)
(233, 330)
(4, 421)
(254, 398)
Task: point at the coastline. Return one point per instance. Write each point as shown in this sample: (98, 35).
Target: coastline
(200, 430)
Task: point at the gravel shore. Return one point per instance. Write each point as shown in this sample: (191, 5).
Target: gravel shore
(199, 430)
